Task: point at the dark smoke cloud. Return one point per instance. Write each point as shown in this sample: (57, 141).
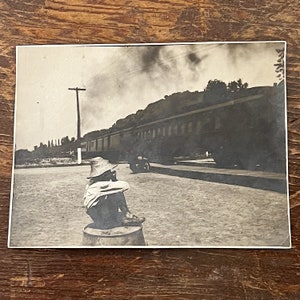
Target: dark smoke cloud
(136, 77)
(156, 58)
(194, 58)
(150, 57)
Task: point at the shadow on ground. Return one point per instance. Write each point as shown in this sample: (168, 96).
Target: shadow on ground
(276, 183)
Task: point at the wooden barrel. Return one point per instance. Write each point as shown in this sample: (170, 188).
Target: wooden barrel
(117, 236)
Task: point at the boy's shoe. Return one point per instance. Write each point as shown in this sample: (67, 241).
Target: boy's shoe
(132, 221)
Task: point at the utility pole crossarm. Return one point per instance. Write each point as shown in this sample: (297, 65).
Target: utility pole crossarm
(77, 89)
(78, 110)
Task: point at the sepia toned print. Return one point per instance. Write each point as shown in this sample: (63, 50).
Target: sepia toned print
(151, 145)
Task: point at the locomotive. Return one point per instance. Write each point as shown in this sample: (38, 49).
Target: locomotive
(245, 129)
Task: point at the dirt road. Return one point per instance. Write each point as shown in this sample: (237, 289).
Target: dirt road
(47, 210)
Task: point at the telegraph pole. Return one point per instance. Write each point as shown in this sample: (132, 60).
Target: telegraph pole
(78, 110)
(78, 121)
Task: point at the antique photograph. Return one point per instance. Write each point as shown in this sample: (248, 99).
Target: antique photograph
(150, 146)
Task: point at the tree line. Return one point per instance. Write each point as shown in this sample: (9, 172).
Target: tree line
(64, 147)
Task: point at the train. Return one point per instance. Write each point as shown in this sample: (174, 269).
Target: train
(245, 129)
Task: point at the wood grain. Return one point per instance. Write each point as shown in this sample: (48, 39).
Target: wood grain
(147, 274)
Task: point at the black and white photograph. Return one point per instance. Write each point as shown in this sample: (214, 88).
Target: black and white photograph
(150, 146)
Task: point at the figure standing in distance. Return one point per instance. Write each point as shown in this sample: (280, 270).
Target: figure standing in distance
(104, 198)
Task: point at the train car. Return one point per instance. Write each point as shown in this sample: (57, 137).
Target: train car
(106, 146)
(247, 131)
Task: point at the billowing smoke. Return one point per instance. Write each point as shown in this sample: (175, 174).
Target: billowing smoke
(194, 61)
(150, 58)
(136, 76)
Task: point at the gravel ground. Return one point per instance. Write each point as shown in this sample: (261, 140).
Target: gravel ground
(47, 210)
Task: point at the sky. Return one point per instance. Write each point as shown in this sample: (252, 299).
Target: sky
(119, 80)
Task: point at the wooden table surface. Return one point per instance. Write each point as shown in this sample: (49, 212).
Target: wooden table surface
(132, 273)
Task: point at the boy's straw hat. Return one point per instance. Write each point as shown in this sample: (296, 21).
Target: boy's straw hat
(99, 166)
